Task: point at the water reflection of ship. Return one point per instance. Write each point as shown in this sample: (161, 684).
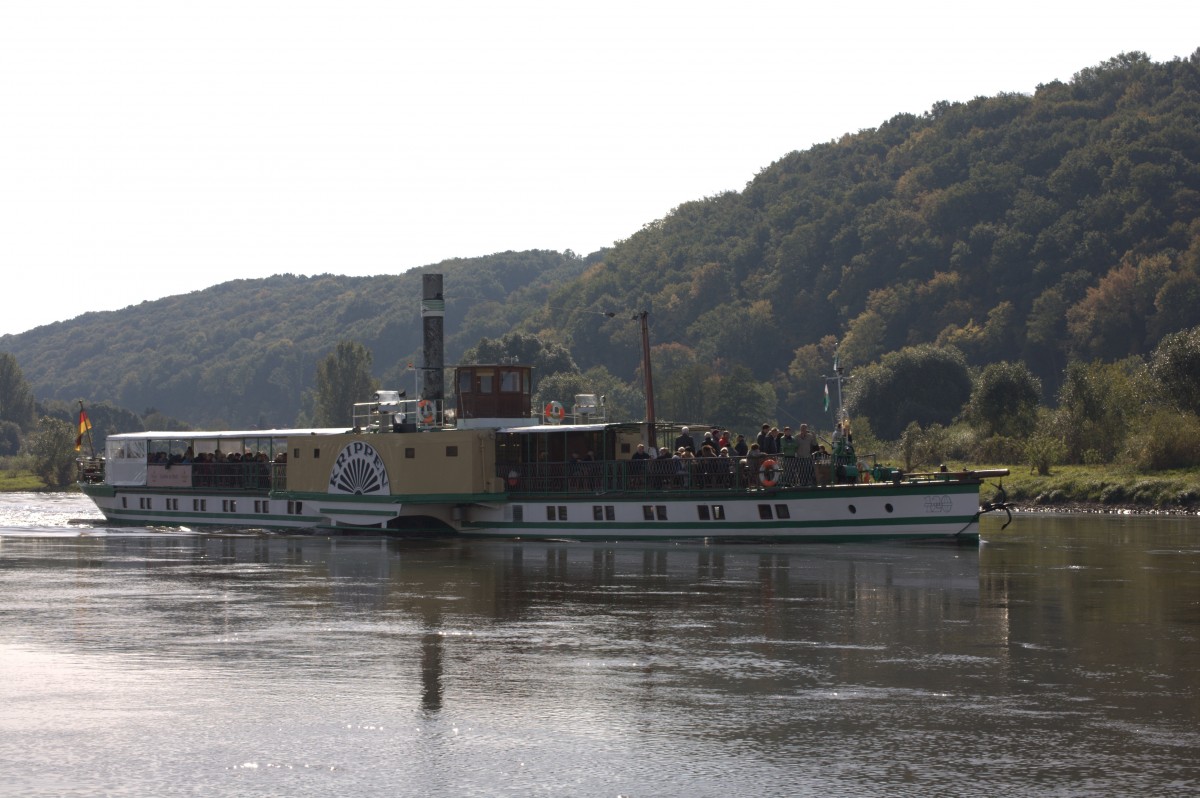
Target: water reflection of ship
(431, 594)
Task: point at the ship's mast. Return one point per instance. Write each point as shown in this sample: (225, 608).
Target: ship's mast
(839, 377)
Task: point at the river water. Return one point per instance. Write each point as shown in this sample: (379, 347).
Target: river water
(1059, 657)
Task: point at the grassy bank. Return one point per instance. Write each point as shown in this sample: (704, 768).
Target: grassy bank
(1100, 487)
(20, 479)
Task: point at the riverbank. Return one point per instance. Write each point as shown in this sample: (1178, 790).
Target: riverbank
(1081, 488)
(20, 479)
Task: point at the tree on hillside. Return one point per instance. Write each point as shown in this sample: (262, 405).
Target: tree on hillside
(343, 378)
(523, 348)
(16, 398)
(1005, 400)
(621, 403)
(925, 384)
(1175, 366)
(52, 447)
(740, 402)
(1095, 405)
(10, 438)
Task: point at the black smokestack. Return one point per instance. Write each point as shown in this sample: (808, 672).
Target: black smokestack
(433, 312)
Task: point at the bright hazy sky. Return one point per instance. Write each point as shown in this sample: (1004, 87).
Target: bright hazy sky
(158, 147)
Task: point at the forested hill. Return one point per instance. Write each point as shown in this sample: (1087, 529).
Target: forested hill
(1046, 227)
(244, 353)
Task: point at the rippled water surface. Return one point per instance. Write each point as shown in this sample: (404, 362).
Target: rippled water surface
(1060, 657)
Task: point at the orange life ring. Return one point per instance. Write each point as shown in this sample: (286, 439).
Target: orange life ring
(425, 410)
(768, 473)
(554, 411)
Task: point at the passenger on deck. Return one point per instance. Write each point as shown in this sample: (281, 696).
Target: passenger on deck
(806, 447)
(638, 466)
(788, 448)
(740, 448)
(685, 441)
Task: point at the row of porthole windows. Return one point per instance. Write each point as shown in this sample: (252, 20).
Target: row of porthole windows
(261, 506)
(658, 512)
(888, 507)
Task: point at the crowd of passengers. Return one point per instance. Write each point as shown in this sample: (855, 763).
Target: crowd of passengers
(718, 459)
(188, 457)
(223, 470)
(797, 455)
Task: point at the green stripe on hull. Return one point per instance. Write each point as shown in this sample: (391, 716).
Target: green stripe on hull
(172, 517)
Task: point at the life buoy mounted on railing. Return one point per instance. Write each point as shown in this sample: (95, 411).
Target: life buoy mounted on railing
(554, 412)
(425, 412)
(768, 473)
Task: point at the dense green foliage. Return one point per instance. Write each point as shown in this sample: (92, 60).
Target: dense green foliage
(922, 384)
(343, 378)
(52, 450)
(16, 397)
(1004, 400)
(1175, 364)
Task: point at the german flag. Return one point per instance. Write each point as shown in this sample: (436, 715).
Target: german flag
(85, 426)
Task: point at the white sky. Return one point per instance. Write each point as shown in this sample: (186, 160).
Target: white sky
(159, 147)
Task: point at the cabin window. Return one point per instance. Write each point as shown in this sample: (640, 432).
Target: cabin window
(648, 512)
(661, 511)
(562, 513)
(452, 451)
(295, 508)
(603, 512)
(718, 512)
(764, 512)
(518, 511)
(124, 503)
(296, 453)
(316, 454)
(199, 505)
(782, 511)
(624, 448)
(410, 453)
(465, 378)
(887, 507)
(484, 382)
(510, 382)
(702, 512)
(853, 509)
(551, 513)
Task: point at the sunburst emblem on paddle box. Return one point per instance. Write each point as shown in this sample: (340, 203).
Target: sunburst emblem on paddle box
(359, 470)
